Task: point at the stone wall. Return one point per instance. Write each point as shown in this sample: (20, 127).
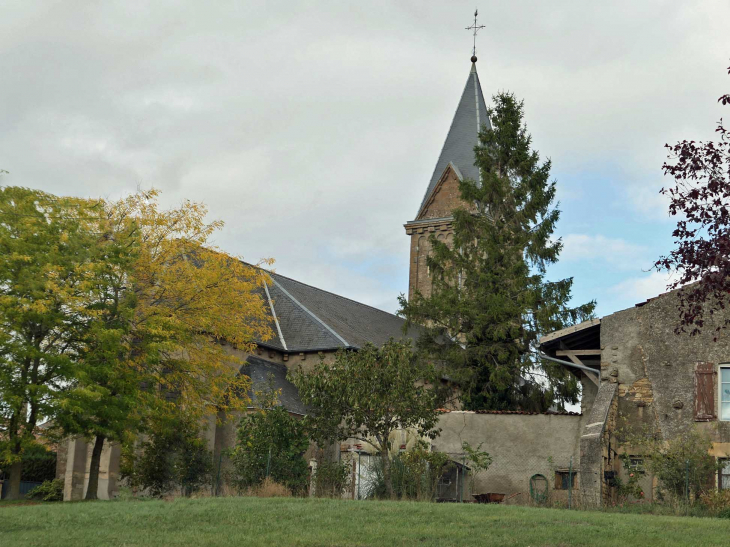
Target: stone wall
(521, 446)
(654, 367)
(220, 434)
(654, 370)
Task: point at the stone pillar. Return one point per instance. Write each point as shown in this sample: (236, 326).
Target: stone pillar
(76, 466)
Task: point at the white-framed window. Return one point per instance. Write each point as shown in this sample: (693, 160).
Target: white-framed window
(723, 474)
(724, 398)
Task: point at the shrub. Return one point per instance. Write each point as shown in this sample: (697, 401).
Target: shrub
(331, 479)
(717, 502)
(48, 491)
(415, 474)
(173, 456)
(269, 488)
(270, 444)
(39, 464)
(682, 464)
(478, 459)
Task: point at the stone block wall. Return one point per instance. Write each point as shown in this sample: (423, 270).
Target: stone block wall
(521, 446)
(654, 371)
(655, 368)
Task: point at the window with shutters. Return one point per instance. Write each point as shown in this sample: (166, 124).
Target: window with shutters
(724, 392)
(704, 392)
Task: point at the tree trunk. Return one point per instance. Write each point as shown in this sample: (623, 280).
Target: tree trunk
(94, 468)
(386, 473)
(13, 483)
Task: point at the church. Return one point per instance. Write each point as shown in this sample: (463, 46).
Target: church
(629, 363)
(310, 323)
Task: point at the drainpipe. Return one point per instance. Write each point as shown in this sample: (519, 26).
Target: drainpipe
(570, 364)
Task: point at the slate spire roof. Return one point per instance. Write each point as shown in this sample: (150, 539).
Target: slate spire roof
(470, 116)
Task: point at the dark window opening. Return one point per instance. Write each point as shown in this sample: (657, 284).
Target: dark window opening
(564, 480)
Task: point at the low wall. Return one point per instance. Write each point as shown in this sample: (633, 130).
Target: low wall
(521, 446)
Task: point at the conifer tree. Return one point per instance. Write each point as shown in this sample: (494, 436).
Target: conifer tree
(490, 300)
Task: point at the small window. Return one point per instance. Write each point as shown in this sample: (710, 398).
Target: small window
(725, 392)
(565, 480)
(723, 475)
(636, 465)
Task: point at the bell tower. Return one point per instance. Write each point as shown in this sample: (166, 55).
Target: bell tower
(455, 163)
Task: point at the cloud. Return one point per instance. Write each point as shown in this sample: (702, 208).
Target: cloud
(648, 202)
(314, 138)
(612, 252)
(641, 288)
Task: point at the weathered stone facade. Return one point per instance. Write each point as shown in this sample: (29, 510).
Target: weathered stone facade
(656, 369)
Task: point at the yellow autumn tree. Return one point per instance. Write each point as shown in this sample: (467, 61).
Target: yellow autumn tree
(168, 306)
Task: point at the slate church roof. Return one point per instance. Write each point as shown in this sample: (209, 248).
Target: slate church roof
(470, 116)
(310, 319)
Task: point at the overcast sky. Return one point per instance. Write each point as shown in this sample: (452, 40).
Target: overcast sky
(312, 128)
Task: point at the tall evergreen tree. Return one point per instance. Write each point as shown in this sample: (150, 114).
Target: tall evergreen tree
(490, 301)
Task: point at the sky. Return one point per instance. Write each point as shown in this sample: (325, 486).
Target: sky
(311, 128)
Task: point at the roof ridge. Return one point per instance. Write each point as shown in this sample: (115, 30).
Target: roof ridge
(337, 295)
(273, 313)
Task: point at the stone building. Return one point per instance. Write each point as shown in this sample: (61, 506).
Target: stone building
(650, 378)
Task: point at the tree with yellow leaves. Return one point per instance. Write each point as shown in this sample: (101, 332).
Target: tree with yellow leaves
(114, 312)
(46, 261)
(167, 307)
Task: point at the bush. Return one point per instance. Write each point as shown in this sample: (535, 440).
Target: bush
(332, 479)
(415, 474)
(173, 456)
(48, 491)
(269, 488)
(682, 464)
(39, 464)
(270, 444)
(717, 502)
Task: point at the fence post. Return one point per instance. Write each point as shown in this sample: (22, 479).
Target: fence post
(686, 482)
(268, 463)
(463, 476)
(570, 484)
(358, 474)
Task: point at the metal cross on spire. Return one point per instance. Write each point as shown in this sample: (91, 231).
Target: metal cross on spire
(476, 28)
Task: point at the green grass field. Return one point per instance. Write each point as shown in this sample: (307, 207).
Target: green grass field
(288, 521)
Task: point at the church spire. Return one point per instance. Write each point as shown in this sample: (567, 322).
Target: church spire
(463, 135)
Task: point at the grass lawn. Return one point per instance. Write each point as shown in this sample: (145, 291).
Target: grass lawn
(287, 521)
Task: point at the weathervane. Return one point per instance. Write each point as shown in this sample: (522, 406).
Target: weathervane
(476, 28)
